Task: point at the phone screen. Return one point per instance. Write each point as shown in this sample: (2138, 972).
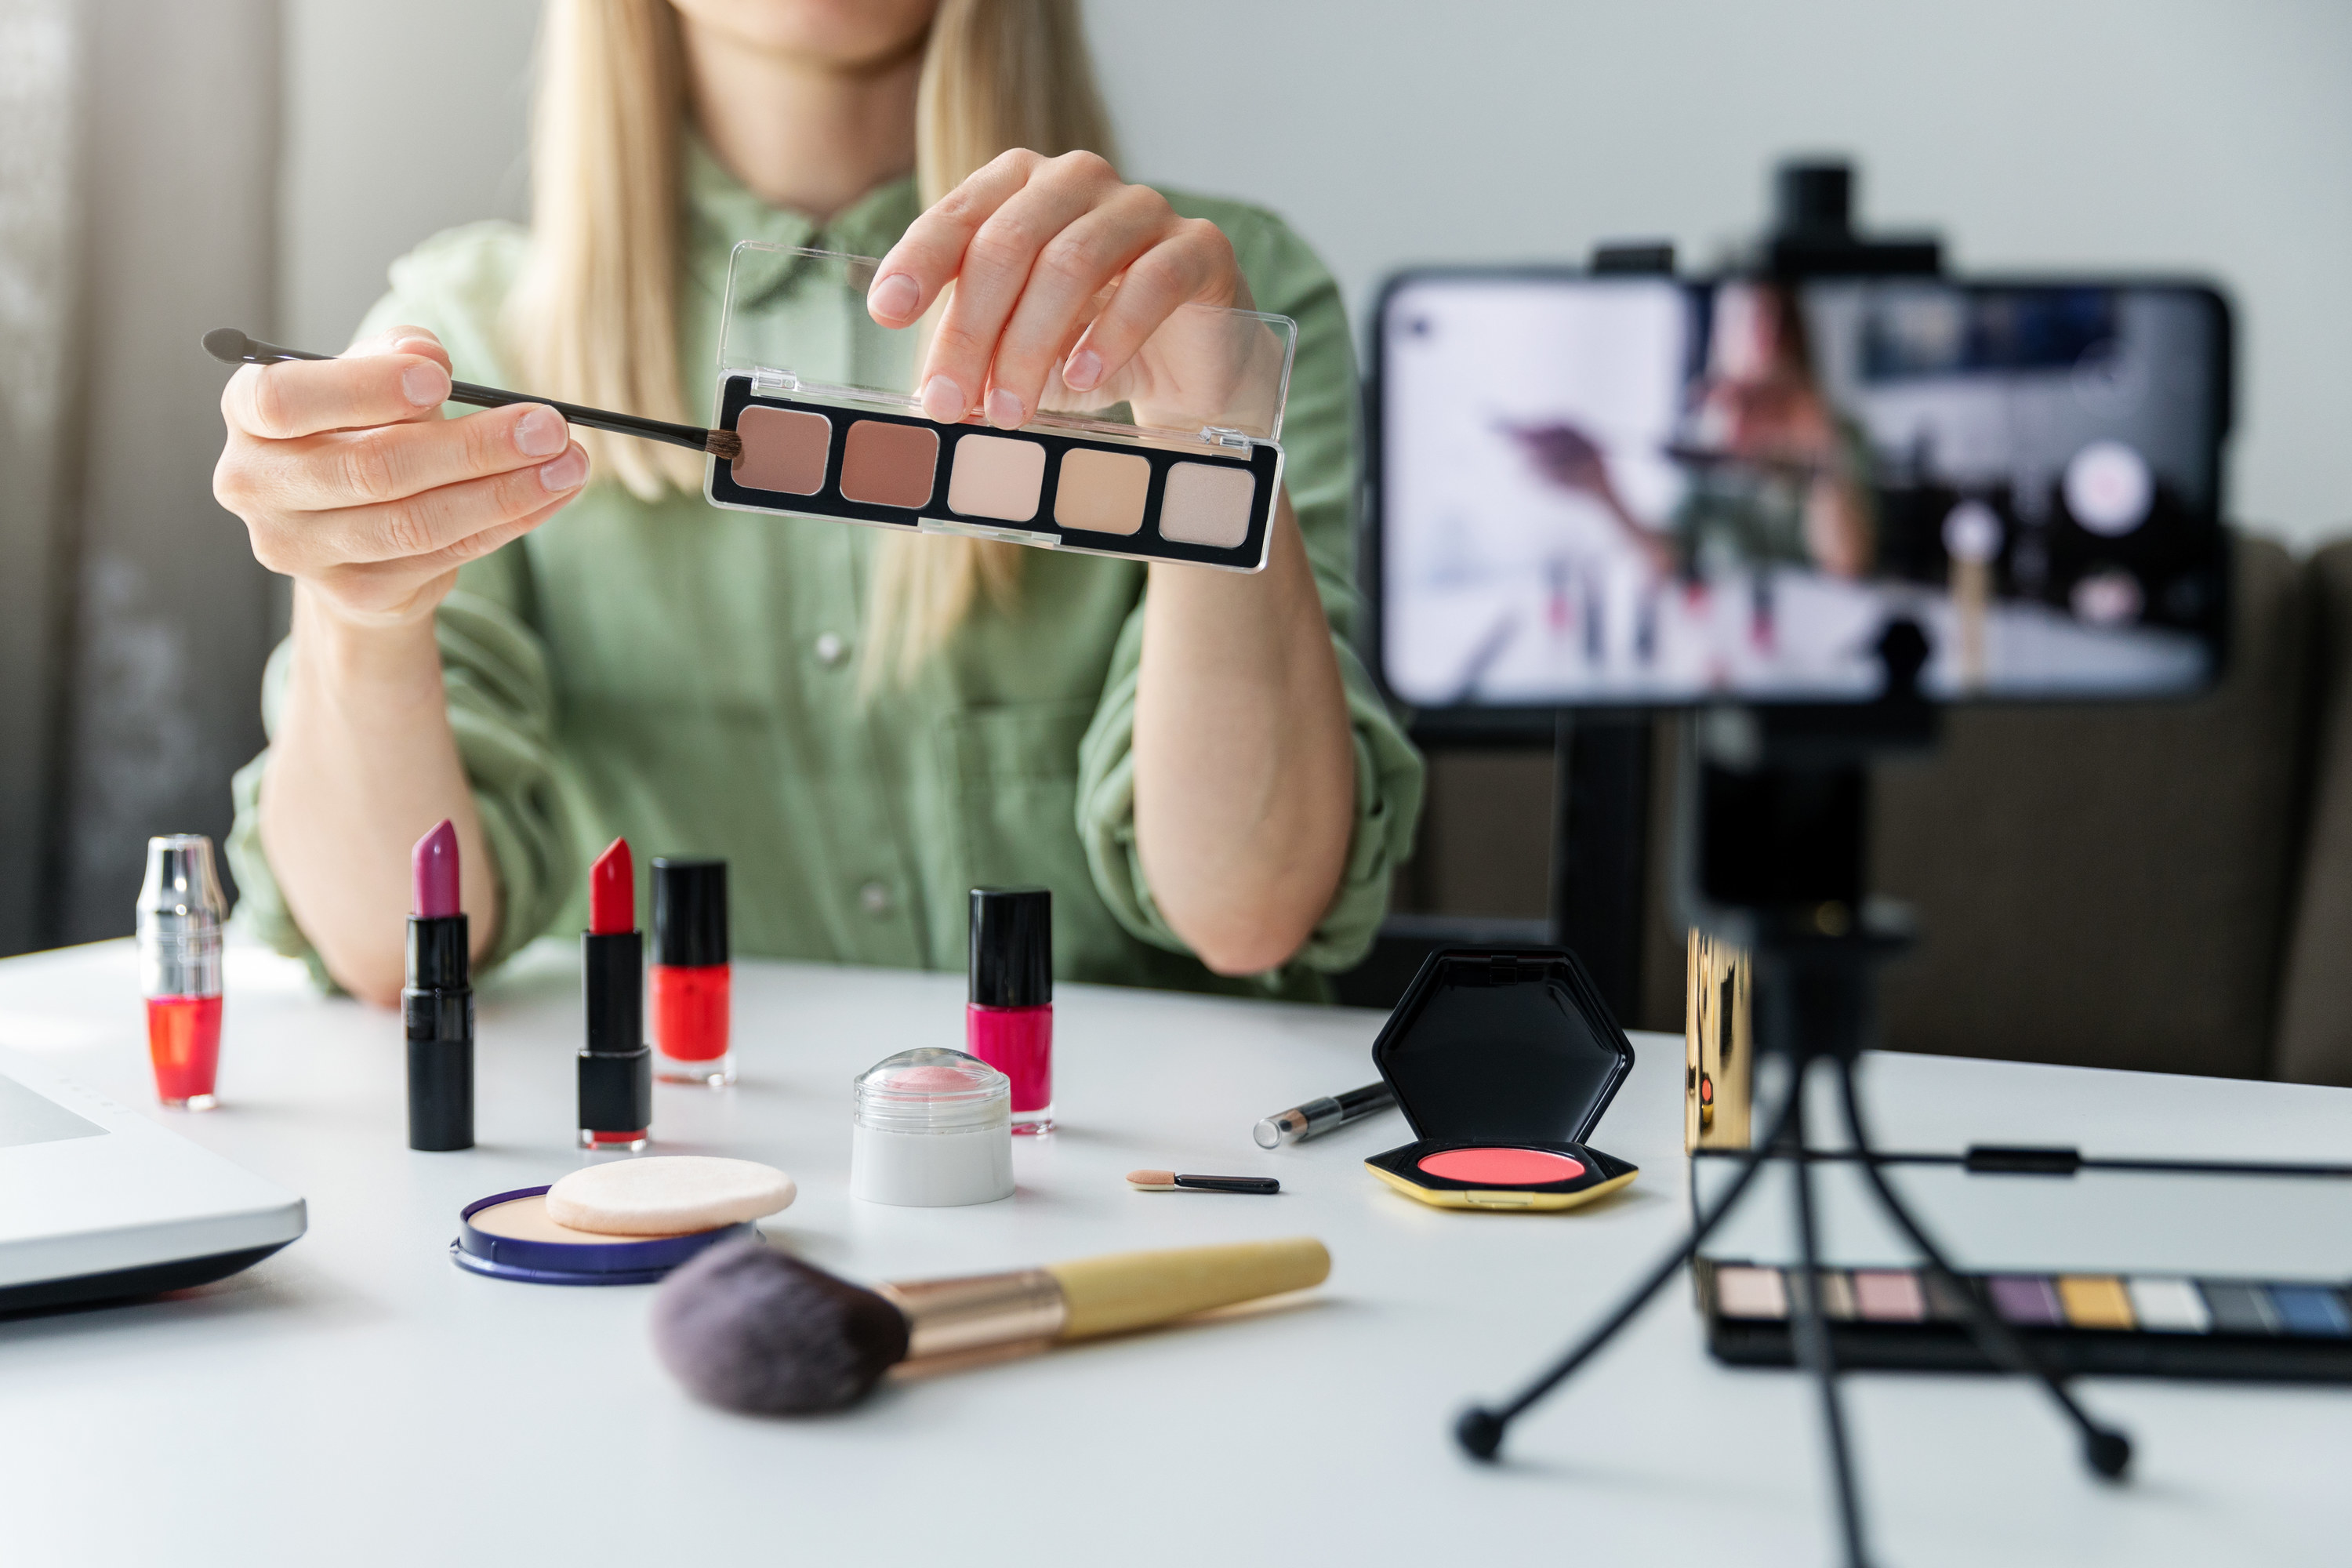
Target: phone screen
(1596, 490)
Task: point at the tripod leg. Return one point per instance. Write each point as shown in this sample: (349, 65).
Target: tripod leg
(1811, 1330)
(1480, 1430)
(2107, 1450)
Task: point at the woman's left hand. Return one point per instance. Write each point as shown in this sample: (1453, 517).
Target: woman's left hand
(1030, 242)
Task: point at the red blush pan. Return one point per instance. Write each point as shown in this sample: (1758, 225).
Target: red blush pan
(1501, 1167)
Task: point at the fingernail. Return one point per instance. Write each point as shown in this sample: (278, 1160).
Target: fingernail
(566, 472)
(1081, 371)
(894, 297)
(1005, 410)
(424, 384)
(540, 432)
(943, 400)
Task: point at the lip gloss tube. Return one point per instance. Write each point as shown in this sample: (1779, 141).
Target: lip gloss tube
(616, 1066)
(1009, 1016)
(181, 913)
(437, 1006)
(691, 979)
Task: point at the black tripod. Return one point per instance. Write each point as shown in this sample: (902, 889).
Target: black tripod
(1774, 818)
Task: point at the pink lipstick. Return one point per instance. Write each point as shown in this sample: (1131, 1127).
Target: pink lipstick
(437, 1005)
(616, 1066)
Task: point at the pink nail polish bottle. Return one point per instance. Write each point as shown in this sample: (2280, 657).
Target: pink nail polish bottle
(1009, 1016)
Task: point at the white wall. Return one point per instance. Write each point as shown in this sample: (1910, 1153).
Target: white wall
(2207, 135)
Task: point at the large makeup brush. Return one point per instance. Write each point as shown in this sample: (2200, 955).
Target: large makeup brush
(754, 1329)
(233, 347)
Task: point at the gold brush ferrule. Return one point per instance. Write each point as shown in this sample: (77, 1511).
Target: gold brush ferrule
(948, 1316)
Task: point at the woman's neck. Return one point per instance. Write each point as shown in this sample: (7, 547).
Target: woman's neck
(803, 134)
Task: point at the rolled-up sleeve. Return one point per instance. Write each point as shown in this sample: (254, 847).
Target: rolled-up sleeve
(502, 712)
(1321, 442)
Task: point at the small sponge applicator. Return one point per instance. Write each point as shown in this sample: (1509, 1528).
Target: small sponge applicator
(667, 1194)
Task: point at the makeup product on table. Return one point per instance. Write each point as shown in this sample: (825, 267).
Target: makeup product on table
(1317, 1117)
(231, 346)
(181, 913)
(691, 979)
(616, 1072)
(2152, 1324)
(751, 1329)
(1178, 458)
(437, 1005)
(1503, 1062)
(1718, 1056)
(933, 1129)
(1169, 1182)
(511, 1236)
(669, 1194)
(1009, 1007)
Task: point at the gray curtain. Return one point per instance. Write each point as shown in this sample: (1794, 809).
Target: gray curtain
(138, 179)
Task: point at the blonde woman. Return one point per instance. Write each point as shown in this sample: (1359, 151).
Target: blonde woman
(550, 637)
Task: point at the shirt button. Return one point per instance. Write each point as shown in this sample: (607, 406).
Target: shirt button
(831, 649)
(873, 898)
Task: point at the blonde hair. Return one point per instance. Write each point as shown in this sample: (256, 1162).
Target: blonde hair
(594, 318)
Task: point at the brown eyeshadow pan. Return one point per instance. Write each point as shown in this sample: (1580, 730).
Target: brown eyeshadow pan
(1102, 492)
(884, 464)
(783, 450)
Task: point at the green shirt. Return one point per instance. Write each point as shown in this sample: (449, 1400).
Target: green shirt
(687, 677)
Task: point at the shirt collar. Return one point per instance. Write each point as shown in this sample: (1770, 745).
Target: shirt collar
(722, 211)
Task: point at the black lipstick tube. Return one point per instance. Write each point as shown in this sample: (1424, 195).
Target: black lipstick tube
(616, 1066)
(437, 1007)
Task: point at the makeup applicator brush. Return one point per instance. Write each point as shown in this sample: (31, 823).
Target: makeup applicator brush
(232, 347)
(752, 1328)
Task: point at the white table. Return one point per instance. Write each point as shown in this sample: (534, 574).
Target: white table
(357, 1399)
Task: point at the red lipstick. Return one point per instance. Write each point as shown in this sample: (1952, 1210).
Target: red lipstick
(437, 1006)
(616, 1075)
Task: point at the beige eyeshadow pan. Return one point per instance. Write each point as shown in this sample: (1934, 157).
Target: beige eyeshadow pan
(1101, 492)
(889, 465)
(1207, 504)
(1000, 476)
(783, 450)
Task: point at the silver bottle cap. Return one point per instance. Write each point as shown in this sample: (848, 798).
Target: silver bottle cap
(181, 913)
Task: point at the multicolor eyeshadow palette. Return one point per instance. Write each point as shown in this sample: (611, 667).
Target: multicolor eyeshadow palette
(1502, 1062)
(854, 463)
(2156, 1325)
(1186, 464)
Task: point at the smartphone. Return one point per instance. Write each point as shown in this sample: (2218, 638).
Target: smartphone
(1595, 490)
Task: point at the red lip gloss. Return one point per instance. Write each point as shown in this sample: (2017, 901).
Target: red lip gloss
(616, 1073)
(437, 1006)
(1009, 1019)
(181, 909)
(691, 979)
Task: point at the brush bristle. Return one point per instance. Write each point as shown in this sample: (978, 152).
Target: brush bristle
(227, 344)
(751, 1329)
(725, 445)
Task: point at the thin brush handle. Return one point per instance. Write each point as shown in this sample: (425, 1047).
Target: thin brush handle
(232, 347)
(1126, 1291)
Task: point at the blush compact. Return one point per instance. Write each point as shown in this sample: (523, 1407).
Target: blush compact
(1501, 1061)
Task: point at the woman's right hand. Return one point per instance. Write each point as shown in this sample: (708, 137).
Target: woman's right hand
(350, 482)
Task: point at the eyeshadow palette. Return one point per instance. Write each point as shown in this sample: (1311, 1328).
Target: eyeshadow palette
(2154, 1325)
(1180, 459)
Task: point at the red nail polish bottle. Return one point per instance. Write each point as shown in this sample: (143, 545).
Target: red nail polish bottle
(181, 913)
(1009, 1021)
(692, 978)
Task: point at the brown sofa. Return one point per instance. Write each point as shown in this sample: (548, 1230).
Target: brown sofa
(2159, 886)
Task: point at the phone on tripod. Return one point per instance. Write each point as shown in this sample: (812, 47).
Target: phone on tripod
(1609, 490)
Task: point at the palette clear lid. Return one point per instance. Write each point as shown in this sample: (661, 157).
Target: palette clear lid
(796, 323)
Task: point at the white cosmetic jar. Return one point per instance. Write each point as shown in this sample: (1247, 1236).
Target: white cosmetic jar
(934, 1130)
